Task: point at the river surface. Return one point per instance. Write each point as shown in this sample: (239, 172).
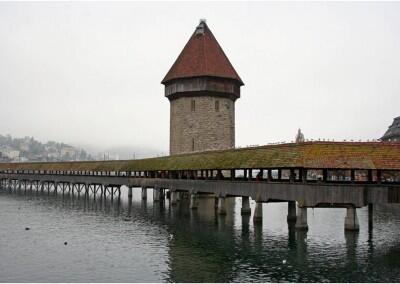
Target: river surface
(160, 243)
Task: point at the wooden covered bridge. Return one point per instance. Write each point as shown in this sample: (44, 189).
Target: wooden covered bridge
(311, 174)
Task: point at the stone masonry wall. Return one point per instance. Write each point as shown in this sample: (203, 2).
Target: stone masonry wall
(204, 128)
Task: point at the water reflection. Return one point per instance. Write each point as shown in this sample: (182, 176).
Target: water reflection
(161, 242)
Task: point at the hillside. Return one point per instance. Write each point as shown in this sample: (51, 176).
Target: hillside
(28, 149)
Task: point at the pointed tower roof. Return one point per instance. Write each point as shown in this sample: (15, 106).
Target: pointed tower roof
(202, 56)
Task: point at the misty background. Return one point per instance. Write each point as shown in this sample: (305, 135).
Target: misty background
(88, 73)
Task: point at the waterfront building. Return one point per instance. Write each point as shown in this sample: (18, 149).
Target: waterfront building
(202, 87)
(393, 133)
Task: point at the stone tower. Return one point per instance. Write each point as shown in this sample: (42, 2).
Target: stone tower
(202, 87)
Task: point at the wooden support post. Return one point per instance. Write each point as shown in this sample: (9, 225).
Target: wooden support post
(292, 176)
(352, 175)
(156, 194)
(324, 175)
(130, 192)
(162, 194)
(351, 220)
(279, 174)
(301, 221)
(261, 174)
(219, 174)
(291, 217)
(378, 176)
(370, 216)
(193, 201)
(270, 175)
(304, 175)
(174, 198)
(245, 210)
(258, 212)
(370, 179)
(221, 206)
(144, 193)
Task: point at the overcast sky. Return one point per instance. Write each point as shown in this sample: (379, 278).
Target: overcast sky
(89, 73)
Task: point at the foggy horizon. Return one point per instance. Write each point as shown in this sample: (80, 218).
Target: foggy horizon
(88, 74)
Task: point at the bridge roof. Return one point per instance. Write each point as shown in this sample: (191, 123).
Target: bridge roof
(312, 155)
(202, 56)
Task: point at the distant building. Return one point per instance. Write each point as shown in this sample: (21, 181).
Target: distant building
(202, 87)
(3, 158)
(12, 154)
(24, 147)
(68, 152)
(299, 136)
(393, 133)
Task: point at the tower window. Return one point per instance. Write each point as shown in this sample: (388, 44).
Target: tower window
(216, 105)
(192, 144)
(193, 105)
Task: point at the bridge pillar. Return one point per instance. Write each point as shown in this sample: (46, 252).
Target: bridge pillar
(162, 194)
(245, 205)
(351, 220)
(258, 213)
(130, 192)
(370, 216)
(156, 194)
(144, 193)
(301, 221)
(193, 201)
(291, 217)
(221, 206)
(174, 197)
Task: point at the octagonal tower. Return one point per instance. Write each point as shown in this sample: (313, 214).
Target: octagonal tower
(202, 87)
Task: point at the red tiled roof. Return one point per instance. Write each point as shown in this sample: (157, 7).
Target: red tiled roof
(202, 56)
(311, 155)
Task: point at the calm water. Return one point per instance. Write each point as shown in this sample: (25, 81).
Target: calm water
(164, 244)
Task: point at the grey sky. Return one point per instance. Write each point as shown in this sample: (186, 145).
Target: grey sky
(90, 73)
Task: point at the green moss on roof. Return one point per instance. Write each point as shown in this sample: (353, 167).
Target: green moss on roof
(350, 155)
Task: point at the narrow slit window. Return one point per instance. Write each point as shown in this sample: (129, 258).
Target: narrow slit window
(193, 105)
(216, 105)
(192, 144)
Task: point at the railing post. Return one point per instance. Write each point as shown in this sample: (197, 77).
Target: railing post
(352, 175)
(370, 176)
(269, 175)
(324, 175)
(292, 175)
(379, 176)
